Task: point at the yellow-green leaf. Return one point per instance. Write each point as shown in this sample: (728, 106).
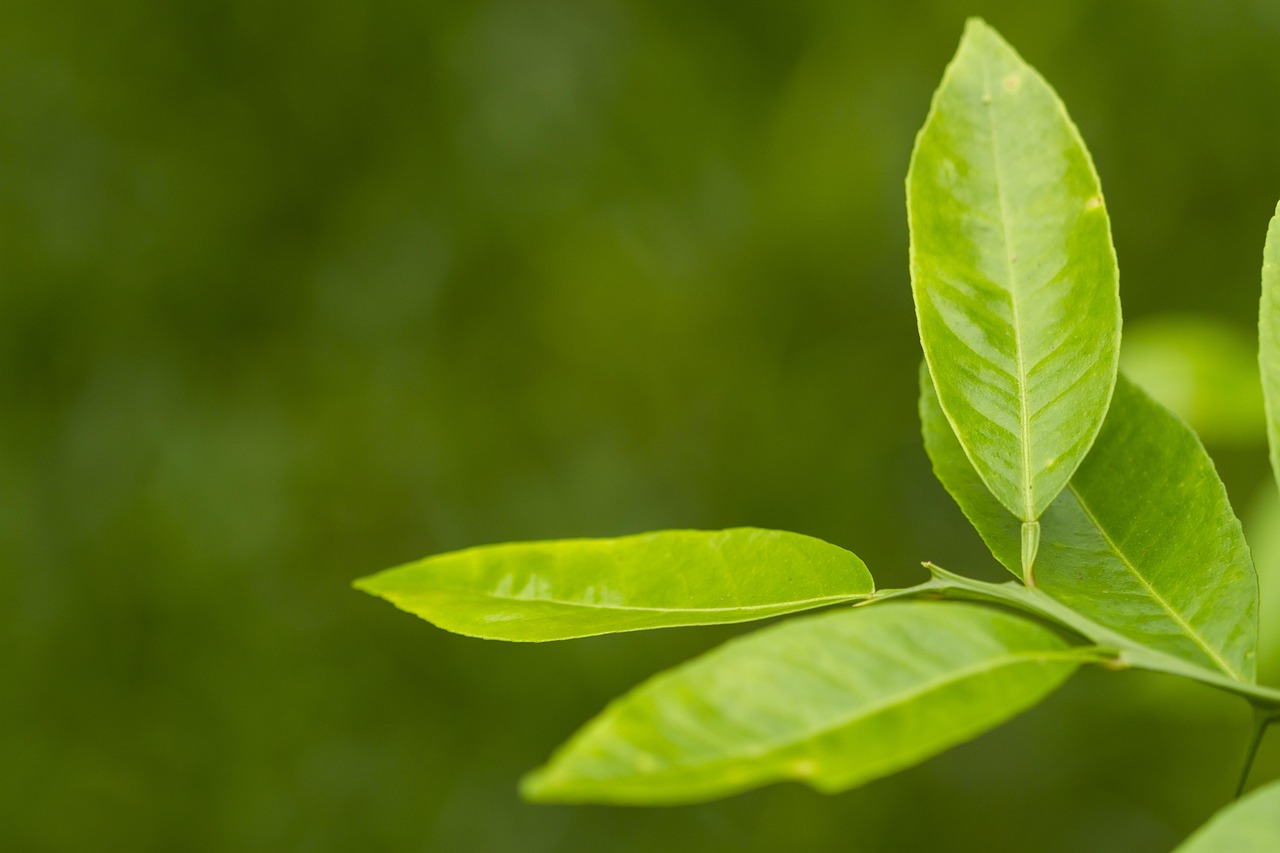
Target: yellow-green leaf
(1143, 541)
(1249, 825)
(833, 701)
(1014, 274)
(556, 590)
(1269, 338)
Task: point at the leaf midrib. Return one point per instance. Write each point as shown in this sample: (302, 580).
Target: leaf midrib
(1177, 617)
(1024, 420)
(818, 601)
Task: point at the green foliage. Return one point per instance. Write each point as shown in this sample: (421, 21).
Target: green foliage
(1139, 558)
(1251, 825)
(1013, 272)
(786, 703)
(1145, 521)
(535, 591)
(1269, 338)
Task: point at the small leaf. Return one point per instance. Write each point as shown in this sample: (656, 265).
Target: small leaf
(1143, 541)
(536, 591)
(1013, 272)
(1269, 338)
(833, 700)
(1249, 825)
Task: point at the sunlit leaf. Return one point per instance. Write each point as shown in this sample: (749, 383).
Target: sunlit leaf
(1249, 825)
(1142, 541)
(558, 590)
(1269, 338)
(1013, 272)
(832, 700)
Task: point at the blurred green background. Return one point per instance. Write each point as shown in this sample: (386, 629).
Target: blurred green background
(291, 292)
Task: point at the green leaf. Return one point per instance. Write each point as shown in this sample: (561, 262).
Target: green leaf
(1269, 338)
(1249, 825)
(1013, 272)
(832, 700)
(1262, 529)
(1114, 650)
(536, 591)
(1205, 370)
(1143, 540)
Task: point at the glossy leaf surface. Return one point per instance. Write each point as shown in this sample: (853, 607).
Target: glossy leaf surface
(1013, 273)
(1249, 825)
(557, 590)
(1143, 541)
(832, 700)
(1269, 338)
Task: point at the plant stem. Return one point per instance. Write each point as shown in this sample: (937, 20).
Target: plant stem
(1030, 545)
(1262, 720)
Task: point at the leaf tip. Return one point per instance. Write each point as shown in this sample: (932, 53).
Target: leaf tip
(538, 786)
(987, 38)
(369, 584)
(977, 28)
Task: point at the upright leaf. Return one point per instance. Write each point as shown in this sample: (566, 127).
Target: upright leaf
(535, 591)
(1143, 541)
(1014, 274)
(1269, 338)
(1249, 825)
(833, 700)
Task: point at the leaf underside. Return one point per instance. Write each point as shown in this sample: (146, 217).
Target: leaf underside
(555, 590)
(1143, 541)
(1013, 273)
(832, 700)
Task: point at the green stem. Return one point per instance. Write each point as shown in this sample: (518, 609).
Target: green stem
(1124, 651)
(1030, 545)
(1262, 720)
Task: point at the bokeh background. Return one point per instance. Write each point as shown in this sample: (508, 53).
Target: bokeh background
(292, 292)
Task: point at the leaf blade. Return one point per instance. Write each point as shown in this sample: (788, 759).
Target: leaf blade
(832, 700)
(540, 591)
(1013, 273)
(1269, 338)
(1118, 541)
(1249, 825)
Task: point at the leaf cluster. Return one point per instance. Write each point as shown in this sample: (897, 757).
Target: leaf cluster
(1105, 507)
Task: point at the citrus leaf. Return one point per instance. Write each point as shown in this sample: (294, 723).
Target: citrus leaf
(832, 700)
(1143, 541)
(1249, 825)
(1014, 274)
(556, 590)
(1269, 338)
